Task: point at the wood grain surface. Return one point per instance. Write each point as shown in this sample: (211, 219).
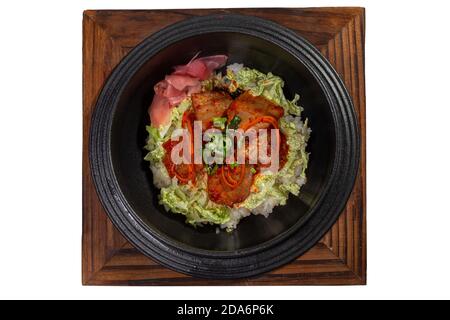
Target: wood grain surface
(338, 259)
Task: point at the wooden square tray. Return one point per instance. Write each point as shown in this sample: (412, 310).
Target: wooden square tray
(338, 259)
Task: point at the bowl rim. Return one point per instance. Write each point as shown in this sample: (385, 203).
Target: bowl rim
(248, 261)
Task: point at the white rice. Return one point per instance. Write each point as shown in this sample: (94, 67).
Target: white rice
(266, 208)
(236, 214)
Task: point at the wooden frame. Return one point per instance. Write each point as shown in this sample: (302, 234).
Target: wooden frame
(338, 259)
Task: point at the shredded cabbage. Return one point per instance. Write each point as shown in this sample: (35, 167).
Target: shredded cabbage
(266, 187)
(193, 202)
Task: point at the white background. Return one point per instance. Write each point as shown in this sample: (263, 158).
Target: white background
(408, 123)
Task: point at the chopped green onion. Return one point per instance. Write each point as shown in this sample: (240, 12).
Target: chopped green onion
(253, 170)
(219, 122)
(234, 123)
(211, 169)
(236, 93)
(233, 165)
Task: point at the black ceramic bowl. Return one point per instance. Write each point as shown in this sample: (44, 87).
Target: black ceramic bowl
(124, 182)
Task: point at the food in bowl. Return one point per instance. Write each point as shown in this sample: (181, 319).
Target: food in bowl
(225, 145)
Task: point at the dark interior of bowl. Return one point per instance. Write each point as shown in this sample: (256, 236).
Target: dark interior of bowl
(129, 135)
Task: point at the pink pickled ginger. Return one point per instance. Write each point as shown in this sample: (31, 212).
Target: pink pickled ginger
(179, 85)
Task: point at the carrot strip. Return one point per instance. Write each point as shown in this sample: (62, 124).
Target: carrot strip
(228, 178)
(225, 180)
(242, 175)
(267, 119)
(179, 176)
